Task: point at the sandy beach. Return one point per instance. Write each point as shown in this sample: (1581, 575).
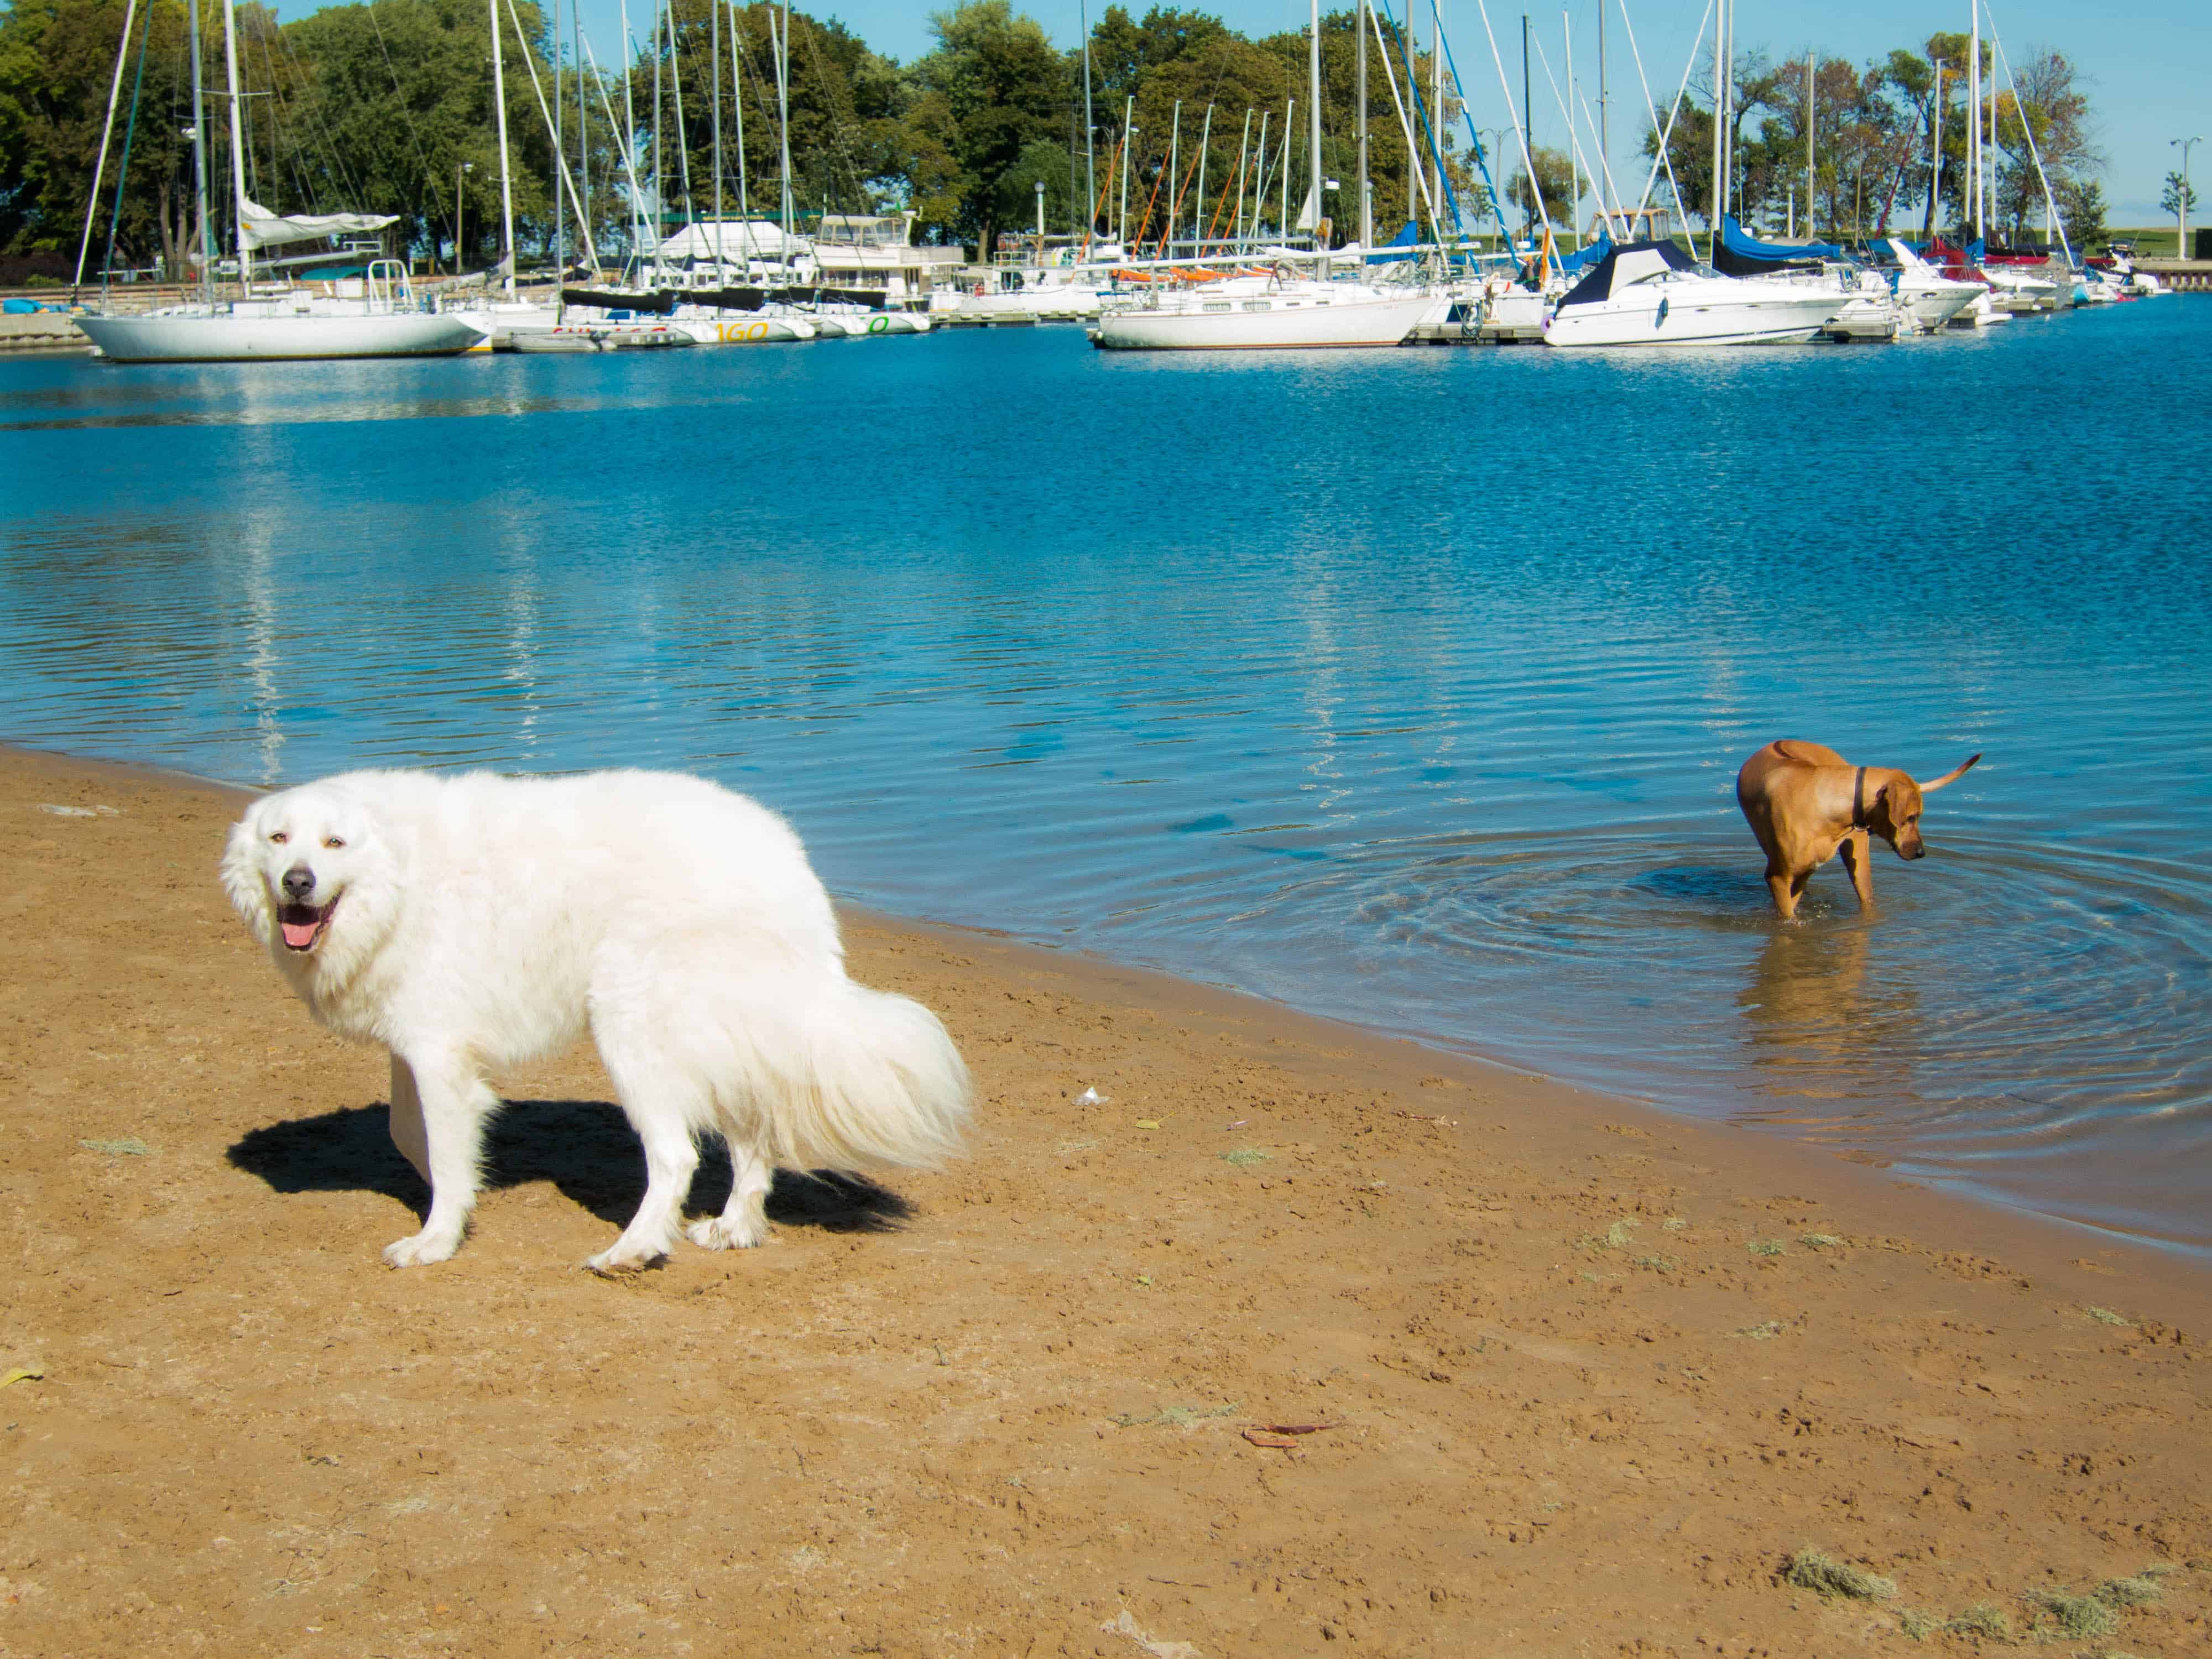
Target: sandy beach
(1579, 1378)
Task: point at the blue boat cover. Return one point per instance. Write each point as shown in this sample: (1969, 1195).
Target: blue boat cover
(1582, 257)
(1406, 238)
(1749, 249)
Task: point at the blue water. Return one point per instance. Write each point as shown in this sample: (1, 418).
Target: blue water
(1407, 687)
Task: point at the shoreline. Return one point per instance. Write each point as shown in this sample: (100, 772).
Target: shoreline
(1569, 1374)
(1157, 988)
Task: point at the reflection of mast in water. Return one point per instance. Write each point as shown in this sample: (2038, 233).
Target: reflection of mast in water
(519, 606)
(257, 541)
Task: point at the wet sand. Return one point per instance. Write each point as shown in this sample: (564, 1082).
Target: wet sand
(1586, 1375)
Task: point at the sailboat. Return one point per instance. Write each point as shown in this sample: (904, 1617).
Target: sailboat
(1275, 310)
(375, 314)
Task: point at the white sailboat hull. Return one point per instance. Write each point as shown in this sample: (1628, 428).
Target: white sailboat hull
(190, 336)
(1263, 323)
(743, 328)
(1649, 315)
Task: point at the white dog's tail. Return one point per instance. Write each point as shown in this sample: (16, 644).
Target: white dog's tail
(833, 1075)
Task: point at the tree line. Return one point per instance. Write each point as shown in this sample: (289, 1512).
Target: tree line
(387, 108)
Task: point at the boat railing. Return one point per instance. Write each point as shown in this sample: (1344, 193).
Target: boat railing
(389, 287)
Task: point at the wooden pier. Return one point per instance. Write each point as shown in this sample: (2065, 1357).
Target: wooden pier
(2185, 275)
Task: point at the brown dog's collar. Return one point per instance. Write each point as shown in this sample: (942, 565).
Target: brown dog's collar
(1858, 801)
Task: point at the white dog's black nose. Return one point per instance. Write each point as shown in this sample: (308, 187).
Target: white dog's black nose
(299, 881)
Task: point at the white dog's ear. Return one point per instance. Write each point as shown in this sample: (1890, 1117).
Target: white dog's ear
(241, 880)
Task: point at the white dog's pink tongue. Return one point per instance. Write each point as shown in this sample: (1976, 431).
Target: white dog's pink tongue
(301, 934)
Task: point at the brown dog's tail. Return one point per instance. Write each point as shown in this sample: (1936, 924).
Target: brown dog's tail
(1952, 776)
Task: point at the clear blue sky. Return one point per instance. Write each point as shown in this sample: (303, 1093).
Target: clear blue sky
(2149, 62)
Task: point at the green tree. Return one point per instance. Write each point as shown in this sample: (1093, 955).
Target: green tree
(56, 60)
(992, 87)
(2179, 196)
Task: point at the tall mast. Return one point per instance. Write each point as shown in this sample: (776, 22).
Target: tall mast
(783, 122)
(1528, 112)
(1243, 151)
(1974, 118)
(1121, 217)
(1260, 177)
(630, 137)
(200, 154)
(1313, 121)
(560, 161)
(583, 135)
(714, 80)
(1811, 110)
(1198, 212)
(1289, 118)
(1720, 123)
(1935, 159)
(1090, 146)
(506, 180)
(660, 188)
(1604, 153)
(738, 109)
(237, 144)
(1366, 207)
(1175, 169)
(1574, 149)
(1436, 105)
(683, 134)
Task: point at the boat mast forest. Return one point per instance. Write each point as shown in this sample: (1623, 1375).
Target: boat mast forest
(387, 108)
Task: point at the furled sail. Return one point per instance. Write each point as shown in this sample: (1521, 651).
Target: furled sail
(262, 228)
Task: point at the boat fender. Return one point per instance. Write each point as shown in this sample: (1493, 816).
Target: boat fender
(1659, 319)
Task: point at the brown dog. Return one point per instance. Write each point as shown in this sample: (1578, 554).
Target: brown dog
(1806, 804)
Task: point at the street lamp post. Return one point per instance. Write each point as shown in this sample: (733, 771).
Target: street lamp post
(460, 182)
(2181, 202)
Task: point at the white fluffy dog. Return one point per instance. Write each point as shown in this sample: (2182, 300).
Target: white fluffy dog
(469, 923)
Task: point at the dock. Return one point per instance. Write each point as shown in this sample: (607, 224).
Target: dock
(2187, 275)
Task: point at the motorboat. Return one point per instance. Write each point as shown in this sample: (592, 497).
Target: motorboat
(1931, 298)
(1262, 312)
(1643, 293)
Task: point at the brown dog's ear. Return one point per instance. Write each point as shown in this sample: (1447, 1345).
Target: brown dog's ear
(1952, 776)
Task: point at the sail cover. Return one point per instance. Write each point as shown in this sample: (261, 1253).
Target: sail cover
(260, 227)
(1624, 264)
(1741, 254)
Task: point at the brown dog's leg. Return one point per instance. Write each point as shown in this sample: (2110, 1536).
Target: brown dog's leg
(1784, 889)
(1856, 852)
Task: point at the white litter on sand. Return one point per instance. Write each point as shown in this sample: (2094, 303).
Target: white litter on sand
(1123, 1625)
(79, 812)
(1092, 1097)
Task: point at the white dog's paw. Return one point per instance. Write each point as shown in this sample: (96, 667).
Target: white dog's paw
(419, 1251)
(615, 1261)
(721, 1233)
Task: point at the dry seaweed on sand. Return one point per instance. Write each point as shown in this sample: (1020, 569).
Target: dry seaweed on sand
(2137, 1592)
(2107, 1316)
(1986, 1620)
(1174, 1417)
(1811, 1569)
(2079, 1618)
(129, 1146)
(1765, 1247)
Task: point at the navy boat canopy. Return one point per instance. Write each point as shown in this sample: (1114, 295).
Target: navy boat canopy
(1624, 264)
(1741, 254)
